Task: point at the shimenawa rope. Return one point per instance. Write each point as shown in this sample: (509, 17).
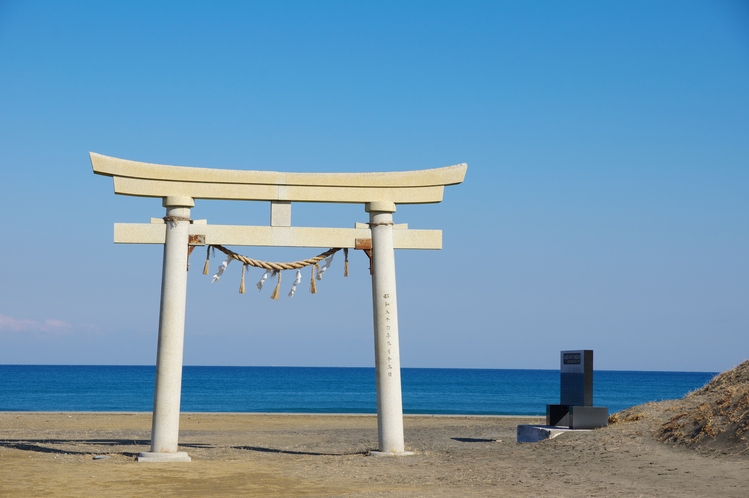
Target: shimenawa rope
(273, 269)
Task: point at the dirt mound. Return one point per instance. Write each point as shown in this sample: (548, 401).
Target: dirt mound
(713, 419)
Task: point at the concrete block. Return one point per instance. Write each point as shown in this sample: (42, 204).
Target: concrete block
(588, 417)
(535, 433)
(577, 417)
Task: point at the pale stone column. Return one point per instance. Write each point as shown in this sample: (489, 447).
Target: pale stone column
(165, 425)
(387, 349)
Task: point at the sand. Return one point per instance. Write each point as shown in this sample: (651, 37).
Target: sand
(52, 454)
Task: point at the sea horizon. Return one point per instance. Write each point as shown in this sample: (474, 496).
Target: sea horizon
(279, 389)
(327, 366)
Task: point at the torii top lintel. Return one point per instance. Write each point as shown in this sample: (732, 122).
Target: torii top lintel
(155, 180)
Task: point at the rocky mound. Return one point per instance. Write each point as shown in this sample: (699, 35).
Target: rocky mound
(714, 418)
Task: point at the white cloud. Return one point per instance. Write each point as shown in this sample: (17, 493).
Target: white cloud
(50, 326)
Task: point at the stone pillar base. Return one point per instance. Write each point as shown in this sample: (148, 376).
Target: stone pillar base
(390, 453)
(177, 456)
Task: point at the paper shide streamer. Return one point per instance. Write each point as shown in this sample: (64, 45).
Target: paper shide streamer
(221, 270)
(297, 281)
(263, 279)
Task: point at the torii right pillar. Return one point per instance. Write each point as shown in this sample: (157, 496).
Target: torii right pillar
(387, 348)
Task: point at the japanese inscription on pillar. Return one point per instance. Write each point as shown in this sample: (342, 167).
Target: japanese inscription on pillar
(388, 336)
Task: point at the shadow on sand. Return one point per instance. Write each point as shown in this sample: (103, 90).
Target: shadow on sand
(42, 446)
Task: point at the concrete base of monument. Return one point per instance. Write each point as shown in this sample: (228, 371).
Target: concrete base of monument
(577, 417)
(536, 433)
(390, 453)
(151, 457)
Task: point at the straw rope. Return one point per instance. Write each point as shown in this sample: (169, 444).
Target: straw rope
(276, 267)
(172, 220)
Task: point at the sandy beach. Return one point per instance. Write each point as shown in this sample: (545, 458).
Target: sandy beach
(52, 454)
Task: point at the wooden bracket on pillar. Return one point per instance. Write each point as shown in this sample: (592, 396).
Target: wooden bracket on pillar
(192, 241)
(366, 246)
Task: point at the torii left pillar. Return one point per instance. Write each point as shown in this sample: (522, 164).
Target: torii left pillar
(168, 389)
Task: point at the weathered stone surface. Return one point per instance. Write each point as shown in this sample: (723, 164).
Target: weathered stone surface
(155, 180)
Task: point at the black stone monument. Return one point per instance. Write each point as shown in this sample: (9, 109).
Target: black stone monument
(575, 409)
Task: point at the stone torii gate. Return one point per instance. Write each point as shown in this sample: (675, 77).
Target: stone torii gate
(179, 187)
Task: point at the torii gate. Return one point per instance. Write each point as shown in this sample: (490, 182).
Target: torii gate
(180, 186)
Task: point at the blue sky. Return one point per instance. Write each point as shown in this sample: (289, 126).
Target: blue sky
(605, 205)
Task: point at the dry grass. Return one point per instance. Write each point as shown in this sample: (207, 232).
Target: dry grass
(626, 416)
(713, 418)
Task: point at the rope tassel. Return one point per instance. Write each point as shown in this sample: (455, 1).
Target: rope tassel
(207, 265)
(241, 283)
(277, 290)
(312, 284)
(345, 262)
(297, 281)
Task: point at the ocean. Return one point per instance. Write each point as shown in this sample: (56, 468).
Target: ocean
(324, 389)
